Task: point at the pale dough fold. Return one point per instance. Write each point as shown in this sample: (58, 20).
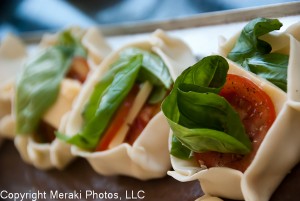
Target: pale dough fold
(12, 54)
(208, 198)
(148, 157)
(35, 153)
(7, 129)
(278, 153)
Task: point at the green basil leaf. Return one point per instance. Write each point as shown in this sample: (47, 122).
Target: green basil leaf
(272, 67)
(107, 104)
(203, 139)
(38, 83)
(249, 44)
(38, 87)
(255, 55)
(211, 111)
(95, 99)
(154, 69)
(68, 41)
(157, 95)
(199, 118)
(207, 75)
(179, 150)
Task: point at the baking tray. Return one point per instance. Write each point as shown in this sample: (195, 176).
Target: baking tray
(18, 177)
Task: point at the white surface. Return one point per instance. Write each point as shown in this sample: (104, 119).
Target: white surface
(202, 40)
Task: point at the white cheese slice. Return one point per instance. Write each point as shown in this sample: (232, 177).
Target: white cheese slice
(138, 103)
(69, 89)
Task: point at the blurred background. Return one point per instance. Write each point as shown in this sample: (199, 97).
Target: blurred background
(23, 16)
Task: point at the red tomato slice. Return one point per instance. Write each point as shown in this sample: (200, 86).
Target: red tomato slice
(141, 121)
(257, 113)
(118, 119)
(79, 69)
(44, 133)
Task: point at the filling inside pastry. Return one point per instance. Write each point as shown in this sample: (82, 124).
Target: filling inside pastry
(217, 118)
(47, 86)
(123, 101)
(49, 123)
(131, 118)
(257, 112)
(204, 126)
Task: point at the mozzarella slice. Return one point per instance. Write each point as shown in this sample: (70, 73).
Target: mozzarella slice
(138, 103)
(68, 91)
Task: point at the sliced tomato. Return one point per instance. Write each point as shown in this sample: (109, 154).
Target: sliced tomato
(118, 119)
(257, 113)
(141, 121)
(44, 133)
(79, 69)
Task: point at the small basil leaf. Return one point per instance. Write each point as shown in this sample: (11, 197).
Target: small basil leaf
(157, 95)
(67, 40)
(255, 55)
(249, 44)
(207, 73)
(154, 69)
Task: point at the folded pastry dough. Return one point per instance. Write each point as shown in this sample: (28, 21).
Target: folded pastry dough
(36, 153)
(208, 198)
(148, 157)
(7, 129)
(279, 151)
(12, 55)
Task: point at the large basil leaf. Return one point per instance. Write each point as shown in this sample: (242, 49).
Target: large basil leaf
(199, 118)
(254, 54)
(105, 100)
(38, 87)
(95, 99)
(38, 83)
(207, 75)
